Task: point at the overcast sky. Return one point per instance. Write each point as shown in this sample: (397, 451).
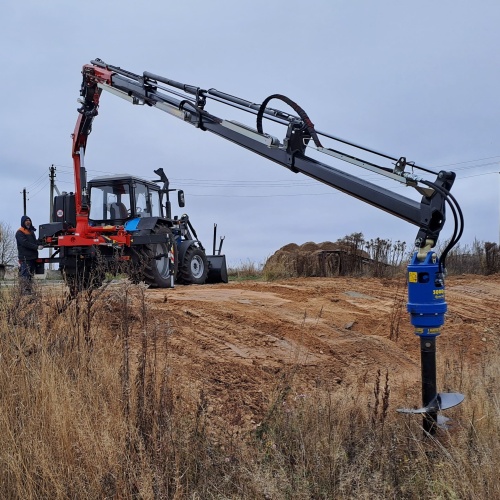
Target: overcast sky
(414, 79)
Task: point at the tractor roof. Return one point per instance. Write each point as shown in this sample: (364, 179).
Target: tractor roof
(122, 178)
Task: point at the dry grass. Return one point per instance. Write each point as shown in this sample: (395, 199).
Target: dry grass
(89, 408)
(248, 270)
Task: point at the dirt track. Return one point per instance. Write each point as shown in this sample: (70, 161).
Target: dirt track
(238, 342)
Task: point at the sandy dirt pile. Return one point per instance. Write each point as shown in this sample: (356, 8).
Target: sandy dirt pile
(311, 259)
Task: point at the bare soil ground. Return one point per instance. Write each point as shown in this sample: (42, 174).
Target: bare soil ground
(239, 343)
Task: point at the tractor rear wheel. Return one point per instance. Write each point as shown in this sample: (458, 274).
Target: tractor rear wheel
(156, 263)
(194, 267)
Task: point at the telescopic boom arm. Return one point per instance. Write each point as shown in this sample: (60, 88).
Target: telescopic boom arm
(187, 102)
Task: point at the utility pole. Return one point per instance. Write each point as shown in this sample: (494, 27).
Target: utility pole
(52, 177)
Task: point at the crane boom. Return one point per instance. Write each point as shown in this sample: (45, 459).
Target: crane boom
(188, 102)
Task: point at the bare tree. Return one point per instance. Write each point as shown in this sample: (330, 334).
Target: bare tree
(8, 246)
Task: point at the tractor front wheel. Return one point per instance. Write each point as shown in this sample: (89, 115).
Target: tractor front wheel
(194, 267)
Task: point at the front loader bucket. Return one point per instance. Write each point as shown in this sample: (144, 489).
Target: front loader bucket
(217, 269)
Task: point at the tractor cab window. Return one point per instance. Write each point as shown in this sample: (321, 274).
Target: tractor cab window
(109, 203)
(147, 202)
(154, 201)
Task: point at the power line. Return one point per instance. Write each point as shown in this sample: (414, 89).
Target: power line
(36, 182)
(478, 166)
(260, 195)
(468, 161)
(44, 186)
(478, 175)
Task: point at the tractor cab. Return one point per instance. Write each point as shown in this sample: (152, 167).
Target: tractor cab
(115, 199)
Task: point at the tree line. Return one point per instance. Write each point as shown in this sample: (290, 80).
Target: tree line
(386, 256)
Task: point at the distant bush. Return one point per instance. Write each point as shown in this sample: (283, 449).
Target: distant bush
(8, 245)
(478, 258)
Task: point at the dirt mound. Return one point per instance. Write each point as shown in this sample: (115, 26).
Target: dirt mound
(306, 260)
(309, 246)
(291, 247)
(311, 259)
(328, 245)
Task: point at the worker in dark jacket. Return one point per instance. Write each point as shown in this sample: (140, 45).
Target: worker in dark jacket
(27, 252)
